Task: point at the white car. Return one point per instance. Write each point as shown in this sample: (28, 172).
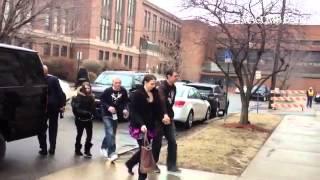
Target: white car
(190, 106)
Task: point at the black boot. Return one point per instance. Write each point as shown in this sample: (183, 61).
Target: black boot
(78, 150)
(87, 152)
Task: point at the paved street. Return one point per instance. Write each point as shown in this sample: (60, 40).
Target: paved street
(23, 162)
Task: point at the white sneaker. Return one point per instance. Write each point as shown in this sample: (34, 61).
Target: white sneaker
(104, 152)
(113, 157)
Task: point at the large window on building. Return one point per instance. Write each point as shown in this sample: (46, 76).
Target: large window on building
(129, 36)
(47, 49)
(154, 27)
(131, 8)
(149, 21)
(106, 55)
(104, 29)
(100, 55)
(128, 61)
(55, 22)
(104, 2)
(145, 19)
(47, 21)
(160, 27)
(56, 50)
(117, 33)
(64, 51)
(119, 5)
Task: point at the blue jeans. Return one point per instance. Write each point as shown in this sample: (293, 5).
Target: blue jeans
(110, 129)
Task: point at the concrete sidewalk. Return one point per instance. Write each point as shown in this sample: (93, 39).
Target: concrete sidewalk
(97, 170)
(291, 153)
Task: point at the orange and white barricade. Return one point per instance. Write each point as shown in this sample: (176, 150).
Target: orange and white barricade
(288, 99)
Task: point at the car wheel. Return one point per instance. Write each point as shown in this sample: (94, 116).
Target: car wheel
(208, 114)
(2, 147)
(189, 121)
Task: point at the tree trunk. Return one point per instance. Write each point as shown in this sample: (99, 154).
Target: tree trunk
(244, 116)
(277, 51)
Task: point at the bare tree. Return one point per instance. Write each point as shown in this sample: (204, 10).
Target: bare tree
(16, 14)
(174, 57)
(247, 29)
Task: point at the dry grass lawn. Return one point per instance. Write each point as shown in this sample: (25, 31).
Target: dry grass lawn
(218, 149)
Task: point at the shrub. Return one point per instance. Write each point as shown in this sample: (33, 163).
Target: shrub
(116, 66)
(62, 68)
(93, 66)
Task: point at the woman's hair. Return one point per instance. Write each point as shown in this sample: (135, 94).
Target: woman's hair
(83, 87)
(148, 77)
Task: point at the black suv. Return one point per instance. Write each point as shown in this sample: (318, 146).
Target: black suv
(129, 79)
(215, 95)
(23, 93)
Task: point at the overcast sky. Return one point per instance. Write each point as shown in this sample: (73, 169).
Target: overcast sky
(306, 6)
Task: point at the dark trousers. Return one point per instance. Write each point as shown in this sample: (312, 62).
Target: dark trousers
(81, 126)
(169, 131)
(52, 116)
(136, 159)
(309, 101)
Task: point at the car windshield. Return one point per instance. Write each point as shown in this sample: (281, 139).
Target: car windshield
(180, 91)
(205, 91)
(261, 89)
(106, 79)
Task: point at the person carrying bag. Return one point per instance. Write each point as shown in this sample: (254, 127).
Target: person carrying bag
(145, 111)
(147, 163)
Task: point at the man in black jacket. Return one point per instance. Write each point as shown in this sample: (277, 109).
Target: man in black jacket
(167, 91)
(55, 104)
(114, 107)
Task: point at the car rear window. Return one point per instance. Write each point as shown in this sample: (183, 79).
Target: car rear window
(180, 91)
(205, 91)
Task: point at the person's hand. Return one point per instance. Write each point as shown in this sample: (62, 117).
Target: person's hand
(125, 114)
(166, 119)
(144, 128)
(62, 109)
(112, 110)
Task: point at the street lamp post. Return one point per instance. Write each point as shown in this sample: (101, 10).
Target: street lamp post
(79, 57)
(258, 77)
(228, 61)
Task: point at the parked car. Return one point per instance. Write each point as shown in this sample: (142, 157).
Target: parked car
(263, 93)
(130, 80)
(190, 106)
(317, 98)
(23, 94)
(215, 95)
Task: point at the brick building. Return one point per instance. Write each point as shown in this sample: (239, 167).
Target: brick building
(198, 45)
(135, 33)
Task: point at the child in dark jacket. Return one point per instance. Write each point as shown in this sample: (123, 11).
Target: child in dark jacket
(83, 107)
